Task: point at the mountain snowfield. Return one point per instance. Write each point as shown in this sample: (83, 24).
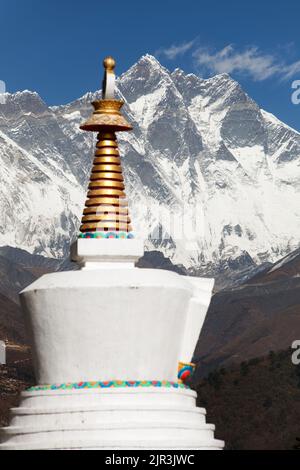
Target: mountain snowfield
(201, 150)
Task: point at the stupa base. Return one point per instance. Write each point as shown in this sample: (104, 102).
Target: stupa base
(110, 418)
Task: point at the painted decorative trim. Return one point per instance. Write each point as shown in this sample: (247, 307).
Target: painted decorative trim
(108, 384)
(119, 235)
(185, 370)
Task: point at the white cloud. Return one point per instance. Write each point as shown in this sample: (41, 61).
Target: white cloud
(250, 61)
(292, 70)
(174, 51)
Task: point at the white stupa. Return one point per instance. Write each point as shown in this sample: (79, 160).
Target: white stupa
(112, 343)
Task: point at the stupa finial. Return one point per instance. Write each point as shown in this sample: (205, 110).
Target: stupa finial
(106, 211)
(109, 63)
(108, 84)
(107, 115)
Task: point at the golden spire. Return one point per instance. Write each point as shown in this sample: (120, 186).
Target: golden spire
(106, 205)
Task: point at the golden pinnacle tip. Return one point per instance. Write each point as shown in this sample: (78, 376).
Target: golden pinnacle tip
(109, 63)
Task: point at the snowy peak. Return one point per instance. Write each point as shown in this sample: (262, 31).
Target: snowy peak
(148, 60)
(272, 120)
(201, 153)
(143, 78)
(145, 65)
(22, 103)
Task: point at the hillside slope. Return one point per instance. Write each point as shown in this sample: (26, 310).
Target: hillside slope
(255, 405)
(248, 321)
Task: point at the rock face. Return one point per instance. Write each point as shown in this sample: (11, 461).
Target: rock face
(248, 321)
(211, 177)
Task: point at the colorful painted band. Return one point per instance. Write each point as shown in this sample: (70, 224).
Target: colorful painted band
(108, 384)
(185, 370)
(119, 235)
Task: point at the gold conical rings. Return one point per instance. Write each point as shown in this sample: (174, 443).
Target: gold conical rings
(106, 206)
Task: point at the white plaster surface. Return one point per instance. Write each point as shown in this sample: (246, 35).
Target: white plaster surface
(112, 321)
(135, 418)
(2, 352)
(108, 324)
(198, 305)
(96, 250)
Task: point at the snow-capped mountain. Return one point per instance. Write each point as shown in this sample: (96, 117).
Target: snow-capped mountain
(209, 175)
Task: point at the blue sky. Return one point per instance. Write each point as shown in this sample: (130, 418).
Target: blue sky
(56, 47)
